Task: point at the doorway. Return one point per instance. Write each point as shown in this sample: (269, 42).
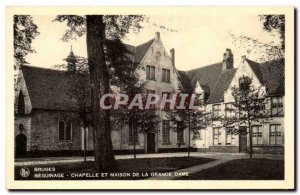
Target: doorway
(21, 145)
(151, 143)
(243, 139)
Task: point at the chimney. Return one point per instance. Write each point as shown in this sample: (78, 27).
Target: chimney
(172, 54)
(227, 59)
(71, 60)
(157, 36)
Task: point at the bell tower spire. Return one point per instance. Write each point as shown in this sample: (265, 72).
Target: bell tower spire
(71, 60)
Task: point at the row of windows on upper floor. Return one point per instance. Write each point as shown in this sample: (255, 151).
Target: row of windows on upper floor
(150, 74)
(230, 111)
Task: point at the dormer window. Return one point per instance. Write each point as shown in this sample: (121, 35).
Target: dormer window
(21, 104)
(244, 83)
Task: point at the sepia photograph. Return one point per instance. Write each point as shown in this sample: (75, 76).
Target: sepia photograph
(167, 95)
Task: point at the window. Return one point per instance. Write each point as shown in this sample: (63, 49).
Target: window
(21, 104)
(260, 105)
(198, 99)
(216, 110)
(68, 130)
(165, 75)
(158, 55)
(167, 104)
(132, 134)
(244, 83)
(229, 110)
(64, 130)
(180, 131)
(197, 135)
(217, 136)
(277, 106)
(150, 72)
(275, 135)
(150, 91)
(152, 106)
(61, 129)
(166, 132)
(229, 136)
(257, 135)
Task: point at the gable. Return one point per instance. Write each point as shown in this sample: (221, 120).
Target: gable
(22, 87)
(271, 74)
(157, 56)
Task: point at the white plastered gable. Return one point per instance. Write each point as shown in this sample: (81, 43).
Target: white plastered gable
(244, 69)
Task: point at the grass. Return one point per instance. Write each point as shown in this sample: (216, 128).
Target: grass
(139, 165)
(242, 169)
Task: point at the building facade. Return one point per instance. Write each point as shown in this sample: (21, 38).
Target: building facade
(52, 125)
(269, 76)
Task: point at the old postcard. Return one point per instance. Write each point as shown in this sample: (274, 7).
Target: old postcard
(150, 98)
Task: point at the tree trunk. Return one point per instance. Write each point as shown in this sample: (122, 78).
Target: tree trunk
(134, 141)
(250, 135)
(99, 79)
(84, 143)
(189, 146)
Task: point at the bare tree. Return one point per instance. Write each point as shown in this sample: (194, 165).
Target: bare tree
(194, 119)
(275, 25)
(249, 108)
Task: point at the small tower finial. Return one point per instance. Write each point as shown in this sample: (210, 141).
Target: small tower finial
(71, 60)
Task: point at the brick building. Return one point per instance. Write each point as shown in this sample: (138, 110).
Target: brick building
(52, 125)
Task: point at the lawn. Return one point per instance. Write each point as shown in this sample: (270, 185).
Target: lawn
(139, 165)
(242, 169)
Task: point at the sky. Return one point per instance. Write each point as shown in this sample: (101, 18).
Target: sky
(198, 41)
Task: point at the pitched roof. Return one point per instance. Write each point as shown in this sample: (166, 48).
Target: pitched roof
(271, 75)
(207, 75)
(139, 51)
(48, 88)
(221, 85)
(184, 79)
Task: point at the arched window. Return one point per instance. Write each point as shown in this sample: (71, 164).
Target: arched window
(61, 129)
(21, 104)
(64, 130)
(68, 132)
